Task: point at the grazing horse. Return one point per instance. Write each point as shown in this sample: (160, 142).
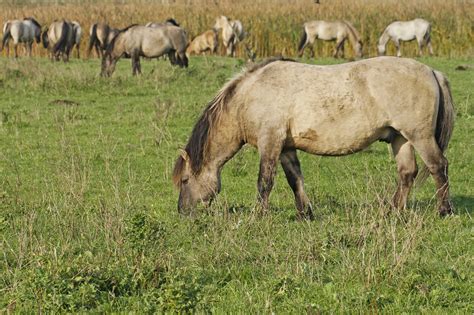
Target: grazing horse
(339, 31)
(232, 32)
(77, 29)
(207, 41)
(25, 31)
(100, 36)
(59, 38)
(152, 42)
(276, 108)
(418, 29)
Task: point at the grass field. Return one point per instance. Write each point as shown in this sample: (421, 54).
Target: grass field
(88, 216)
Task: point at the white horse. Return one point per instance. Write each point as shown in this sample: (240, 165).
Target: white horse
(418, 29)
(77, 29)
(338, 31)
(21, 31)
(232, 33)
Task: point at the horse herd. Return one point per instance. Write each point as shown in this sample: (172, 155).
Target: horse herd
(157, 39)
(280, 106)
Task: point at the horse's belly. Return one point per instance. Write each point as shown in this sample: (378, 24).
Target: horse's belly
(338, 140)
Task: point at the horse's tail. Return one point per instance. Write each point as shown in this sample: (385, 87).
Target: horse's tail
(62, 41)
(6, 34)
(427, 36)
(302, 44)
(445, 120)
(93, 39)
(44, 37)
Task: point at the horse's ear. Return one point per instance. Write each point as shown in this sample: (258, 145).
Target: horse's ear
(184, 155)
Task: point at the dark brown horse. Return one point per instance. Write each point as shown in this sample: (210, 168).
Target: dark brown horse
(276, 108)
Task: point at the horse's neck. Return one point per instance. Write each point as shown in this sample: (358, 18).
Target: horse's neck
(225, 142)
(353, 38)
(119, 48)
(384, 38)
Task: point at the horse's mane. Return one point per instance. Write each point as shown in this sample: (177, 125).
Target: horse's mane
(201, 136)
(111, 45)
(353, 31)
(32, 20)
(172, 21)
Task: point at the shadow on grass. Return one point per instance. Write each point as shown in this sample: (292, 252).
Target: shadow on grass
(463, 204)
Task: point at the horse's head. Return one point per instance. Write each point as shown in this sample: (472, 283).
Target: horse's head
(380, 49)
(108, 65)
(194, 188)
(221, 22)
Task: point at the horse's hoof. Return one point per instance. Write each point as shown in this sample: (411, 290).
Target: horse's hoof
(445, 211)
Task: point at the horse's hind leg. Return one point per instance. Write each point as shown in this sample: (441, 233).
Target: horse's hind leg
(428, 44)
(437, 164)
(407, 170)
(291, 166)
(15, 50)
(29, 48)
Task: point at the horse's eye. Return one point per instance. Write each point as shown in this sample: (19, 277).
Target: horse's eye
(184, 180)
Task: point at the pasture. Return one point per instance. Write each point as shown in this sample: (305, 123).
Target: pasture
(88, 218)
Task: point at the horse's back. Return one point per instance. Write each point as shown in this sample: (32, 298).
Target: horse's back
(325, 30)
(356, 103)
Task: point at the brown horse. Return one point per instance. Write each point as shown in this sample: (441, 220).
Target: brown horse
(101, 35)
(200, 44)
(276, 108)
(151, 42)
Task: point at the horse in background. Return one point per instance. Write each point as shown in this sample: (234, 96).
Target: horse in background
(418, 29)
(232, 32)
(207, 41)
(169, 21)
(77, 29)
(340, 31)
(275, 108)
(59, 38)
(24, 31)
(152, 42)
(101, 35)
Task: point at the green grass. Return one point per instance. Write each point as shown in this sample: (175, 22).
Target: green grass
(88, 218)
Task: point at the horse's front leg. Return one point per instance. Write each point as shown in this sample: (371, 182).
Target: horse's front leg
(269, 154)
(135, 64)
(420, 42)
(291, 167)
(397, 45)
(339, 45)
(266, 178)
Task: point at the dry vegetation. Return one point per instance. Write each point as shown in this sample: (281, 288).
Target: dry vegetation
(274, 27)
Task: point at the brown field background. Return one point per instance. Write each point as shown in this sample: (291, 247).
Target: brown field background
(273, 27)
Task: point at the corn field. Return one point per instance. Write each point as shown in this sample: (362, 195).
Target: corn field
(273, 27)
